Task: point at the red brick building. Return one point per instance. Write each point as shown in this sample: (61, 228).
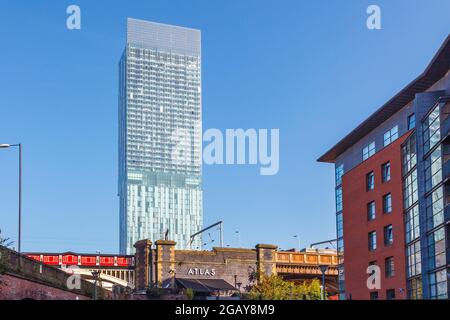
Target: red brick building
(357, 199)
(393, 193)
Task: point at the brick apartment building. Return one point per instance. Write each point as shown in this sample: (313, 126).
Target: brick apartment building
(393, 192)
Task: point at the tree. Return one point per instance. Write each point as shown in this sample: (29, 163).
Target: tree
(275, 288)
(190, 293)
(4, 242)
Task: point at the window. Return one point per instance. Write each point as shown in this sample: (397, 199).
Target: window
(390, 136)
(388, 235)
(339, 173)
(370, 180)
(436, 249)
(339, 199)
(412, 224)
(414, 288)
(430, 129)
(413, 259)
(438, 284)
(389, 267)
(435, 208)
(411, 121)
(371, 210)
(409, 159)
(386, 171)
(369, 150)
(339, 225)
(410, 195)
(387, 203)
(374, 295)
(372, 240)
(390, 294)
(433, 169)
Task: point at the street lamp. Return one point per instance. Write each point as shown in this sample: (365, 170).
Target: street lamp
(96, 275)
(4, 146)
(323, 269)
(238, 237)
(298, 238)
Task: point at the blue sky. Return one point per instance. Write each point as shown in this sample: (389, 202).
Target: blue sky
(310, 68)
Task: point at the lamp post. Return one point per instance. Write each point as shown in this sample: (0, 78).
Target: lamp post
(238, 234)
(96, 275)
(298, 239)
(323, 269)
(19, 145)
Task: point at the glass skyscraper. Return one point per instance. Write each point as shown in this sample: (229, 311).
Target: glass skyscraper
(160, 130)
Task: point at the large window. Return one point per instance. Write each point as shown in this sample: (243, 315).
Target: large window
(412, 224)
(370, 181)
(413, 259)
(430, 128)
(371, 211)
(415, 288)
(339, 225)
(433, 169)
(387, 203)
(409, 159)
(410, 194)
(368, 151)
(339, 174)
(388, 235)
(390, 136)
(435, 208)
(339, 199)
(436, 249)
(372, 240)
(438, 285)
(386, 171)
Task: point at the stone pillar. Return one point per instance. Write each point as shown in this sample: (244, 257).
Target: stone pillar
(143, 268)
(165, 263)
(266, 259)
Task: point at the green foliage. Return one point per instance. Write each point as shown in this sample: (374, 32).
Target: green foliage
(4, 242)
(190, 293)
(3, 261)
(275, 288)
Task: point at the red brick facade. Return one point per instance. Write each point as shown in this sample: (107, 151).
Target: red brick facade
(15, 288)
(357, 227)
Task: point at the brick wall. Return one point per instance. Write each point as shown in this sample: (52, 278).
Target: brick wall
(16, 288)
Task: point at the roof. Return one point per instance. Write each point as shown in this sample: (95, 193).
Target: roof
(437, 68)
(205, 285)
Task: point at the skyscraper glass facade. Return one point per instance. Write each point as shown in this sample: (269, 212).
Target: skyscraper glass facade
(160, 127)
